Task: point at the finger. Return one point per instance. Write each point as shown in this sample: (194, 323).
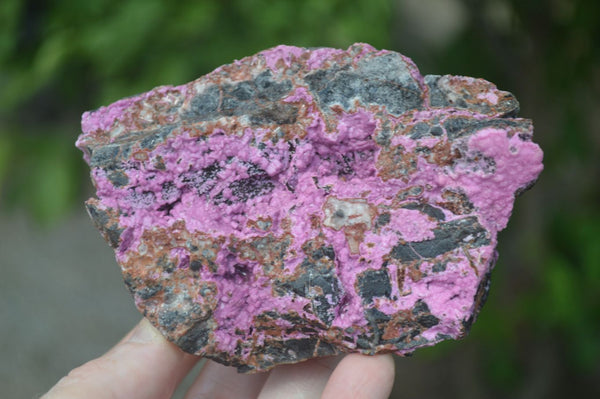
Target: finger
(299, 381)
(142, 365)
(217, 381)
(359, 376)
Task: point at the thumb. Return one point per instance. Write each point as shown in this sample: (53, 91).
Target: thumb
(142, 365)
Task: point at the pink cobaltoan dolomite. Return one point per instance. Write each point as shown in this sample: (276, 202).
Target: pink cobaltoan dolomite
(307, 202)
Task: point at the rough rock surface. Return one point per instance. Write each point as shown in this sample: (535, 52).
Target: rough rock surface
(302, 203)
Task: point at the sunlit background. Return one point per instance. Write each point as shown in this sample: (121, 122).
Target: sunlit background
(62, 301)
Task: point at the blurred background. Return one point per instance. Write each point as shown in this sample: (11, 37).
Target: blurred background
(62, 301)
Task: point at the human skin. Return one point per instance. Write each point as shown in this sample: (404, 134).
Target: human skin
(145, 365)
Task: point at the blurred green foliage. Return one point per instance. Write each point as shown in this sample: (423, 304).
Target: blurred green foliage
(60, 58)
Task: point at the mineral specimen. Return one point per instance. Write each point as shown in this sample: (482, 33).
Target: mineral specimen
(307, 202)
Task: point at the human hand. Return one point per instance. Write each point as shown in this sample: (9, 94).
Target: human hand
(145, 365)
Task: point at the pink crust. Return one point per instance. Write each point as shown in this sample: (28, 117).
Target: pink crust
(489, 96)
(104, 118)
(449, 295)
(316, 59)
(517, 164)
(445, 298)
(319, 56)
(281, 53)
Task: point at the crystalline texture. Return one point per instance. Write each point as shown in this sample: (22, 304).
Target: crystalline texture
(301, 203)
